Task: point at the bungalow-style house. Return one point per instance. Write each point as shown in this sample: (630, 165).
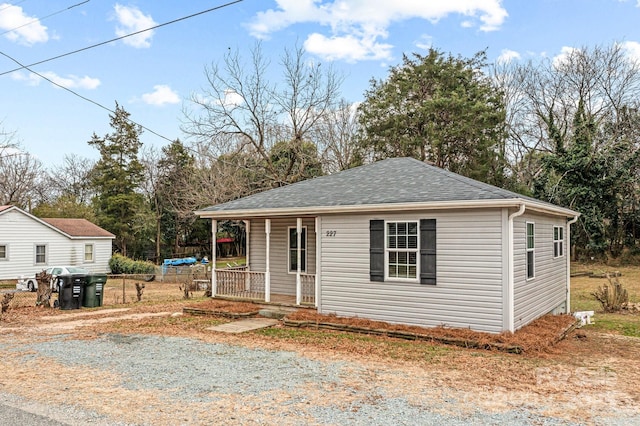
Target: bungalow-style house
(29, 244)
(405, 242)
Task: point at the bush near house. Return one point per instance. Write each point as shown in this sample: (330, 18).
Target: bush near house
(120, 264)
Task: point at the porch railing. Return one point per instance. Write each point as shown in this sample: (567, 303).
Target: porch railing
(238, 282)
(308, 282)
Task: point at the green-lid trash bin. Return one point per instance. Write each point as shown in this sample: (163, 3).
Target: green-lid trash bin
(71, 290)
(94, 290)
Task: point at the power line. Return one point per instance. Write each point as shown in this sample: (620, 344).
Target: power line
(120, 38)
(80, 96)
(45, 17)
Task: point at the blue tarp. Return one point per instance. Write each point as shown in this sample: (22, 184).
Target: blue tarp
(180, 262)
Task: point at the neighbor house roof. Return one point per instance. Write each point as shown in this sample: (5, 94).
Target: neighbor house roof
(78, 227)
(390, 184)
(72, 228)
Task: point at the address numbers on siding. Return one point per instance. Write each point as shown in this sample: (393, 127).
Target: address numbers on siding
(331, 233)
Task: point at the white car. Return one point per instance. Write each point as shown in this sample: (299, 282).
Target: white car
(31, 284)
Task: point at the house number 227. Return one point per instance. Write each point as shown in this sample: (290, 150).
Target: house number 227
(331, 233)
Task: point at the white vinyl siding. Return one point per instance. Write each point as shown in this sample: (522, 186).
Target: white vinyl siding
(22, 233)
(282, 282)
(547, 290)
(468, 266)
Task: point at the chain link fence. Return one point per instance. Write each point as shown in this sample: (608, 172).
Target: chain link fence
(172, 284)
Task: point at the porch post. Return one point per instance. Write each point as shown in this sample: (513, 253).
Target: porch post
(214, 234)
(318, 259)
(247, 282)
(267, 272)
(299, 256)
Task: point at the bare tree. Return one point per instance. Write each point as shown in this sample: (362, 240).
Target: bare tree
(21, 180)
(542, 99)
(8, 144)
(242, 115)
(335, 136)
(72, 178)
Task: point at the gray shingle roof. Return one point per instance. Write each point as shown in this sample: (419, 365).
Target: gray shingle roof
(390, 181)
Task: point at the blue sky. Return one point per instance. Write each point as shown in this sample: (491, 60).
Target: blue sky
(152, 75)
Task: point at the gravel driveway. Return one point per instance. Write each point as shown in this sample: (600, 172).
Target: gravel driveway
(173, 380)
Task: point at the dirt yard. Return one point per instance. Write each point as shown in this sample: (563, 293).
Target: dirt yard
(591, 377)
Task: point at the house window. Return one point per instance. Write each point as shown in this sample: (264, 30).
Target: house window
(293, 249)
(4, 252)
(394, 249)
(531, 246)
(402, 250)
(41, 254)
(88, 252)
(558, 241)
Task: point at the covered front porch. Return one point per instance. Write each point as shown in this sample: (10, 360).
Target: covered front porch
(281, 263)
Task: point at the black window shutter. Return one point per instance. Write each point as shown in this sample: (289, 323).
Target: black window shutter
(376, 250)
(427, 251)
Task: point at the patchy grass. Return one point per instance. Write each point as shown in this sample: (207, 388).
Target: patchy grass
(582, 299)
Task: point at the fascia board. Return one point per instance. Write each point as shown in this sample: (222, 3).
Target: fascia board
(362, 208)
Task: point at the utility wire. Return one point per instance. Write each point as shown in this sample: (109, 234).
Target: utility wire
(45, 17)
(120, 38)
(80, 96)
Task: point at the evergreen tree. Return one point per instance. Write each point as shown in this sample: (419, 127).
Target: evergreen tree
(116, 178)
(436, 108)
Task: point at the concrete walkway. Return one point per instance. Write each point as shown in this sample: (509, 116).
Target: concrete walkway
(241, 326)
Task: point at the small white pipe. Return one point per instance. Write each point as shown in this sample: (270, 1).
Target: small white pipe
(568, 254)
(511, 286)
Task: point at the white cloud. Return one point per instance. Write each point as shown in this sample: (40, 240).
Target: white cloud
(130, 20)
(425, 42)
(632, 49)
(361, 25)
(70, 81)
(348, 48)
(29, 29)
(507, 56)
(161, 95)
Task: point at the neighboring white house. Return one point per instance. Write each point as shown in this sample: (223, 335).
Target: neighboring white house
(404, 242)
(29, 244)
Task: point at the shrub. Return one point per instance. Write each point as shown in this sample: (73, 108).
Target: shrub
(120, 264)
(613, 296)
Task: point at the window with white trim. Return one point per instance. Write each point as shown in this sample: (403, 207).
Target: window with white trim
(558, 241)
(531, 247)
(41, 254)
(4, 252)
(88, 252)
(402, 250)
(293, 249)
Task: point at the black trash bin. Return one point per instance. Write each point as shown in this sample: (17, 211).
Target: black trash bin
(94, 290)
(71, 289)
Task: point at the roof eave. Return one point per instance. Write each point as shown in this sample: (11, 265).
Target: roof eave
(362, 208)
